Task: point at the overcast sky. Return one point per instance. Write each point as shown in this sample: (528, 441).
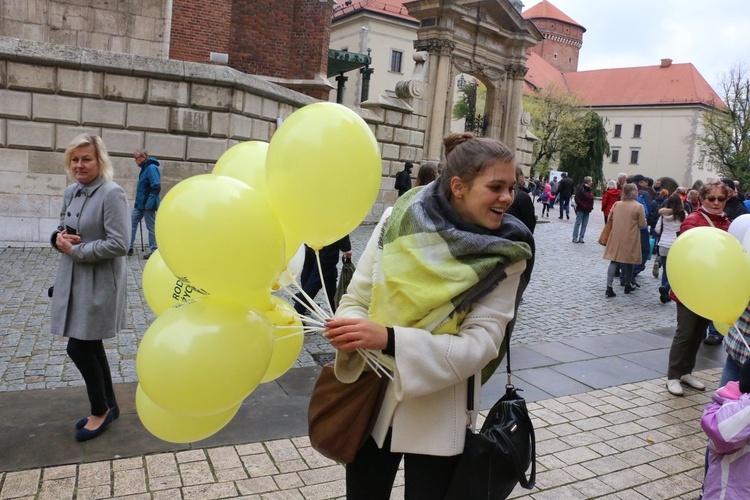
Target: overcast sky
(713, 35)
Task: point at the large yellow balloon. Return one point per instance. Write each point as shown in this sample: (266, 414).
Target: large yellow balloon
(204, 357)
(708, 271)
(323, 172)
(176, 428)
(162, 289)
(246, 162)
(288, 339)
(222, 234)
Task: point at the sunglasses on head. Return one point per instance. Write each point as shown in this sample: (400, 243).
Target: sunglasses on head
(714, 199)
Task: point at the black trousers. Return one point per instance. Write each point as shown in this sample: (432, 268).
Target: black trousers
(91, 360)
(370, 476)
(309, 278)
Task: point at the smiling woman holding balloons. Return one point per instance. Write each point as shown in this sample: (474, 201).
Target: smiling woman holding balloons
(435, 290)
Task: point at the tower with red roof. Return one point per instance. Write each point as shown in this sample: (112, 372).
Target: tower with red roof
(563, 37)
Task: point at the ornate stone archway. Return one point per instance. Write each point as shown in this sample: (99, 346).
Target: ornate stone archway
(486, 39)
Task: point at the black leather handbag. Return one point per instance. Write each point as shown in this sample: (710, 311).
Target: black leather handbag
(496, 458)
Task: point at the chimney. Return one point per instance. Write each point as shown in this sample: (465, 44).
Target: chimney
(665, 63)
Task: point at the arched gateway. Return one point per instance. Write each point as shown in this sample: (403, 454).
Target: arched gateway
(486, 39)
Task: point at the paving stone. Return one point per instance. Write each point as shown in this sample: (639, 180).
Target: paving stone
(18, 484)
(130, 482)
(210, 491)
(193, 473)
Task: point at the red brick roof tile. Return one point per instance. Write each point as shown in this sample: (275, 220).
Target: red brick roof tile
(392, 8)
(645, 85)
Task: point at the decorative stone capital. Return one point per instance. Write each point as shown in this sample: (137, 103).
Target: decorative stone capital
(480, 70)
(435, 46)
(516, 71)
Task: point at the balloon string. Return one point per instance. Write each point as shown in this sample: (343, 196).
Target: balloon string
(320, 273)
(310, 305)
(288, 336)
(318, 317)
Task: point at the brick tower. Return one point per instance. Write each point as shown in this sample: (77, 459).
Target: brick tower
(563, 37)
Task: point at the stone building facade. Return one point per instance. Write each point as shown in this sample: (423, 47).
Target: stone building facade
(137, 27)
(186, 114)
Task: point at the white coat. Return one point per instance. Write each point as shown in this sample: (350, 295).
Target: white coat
(426, 403)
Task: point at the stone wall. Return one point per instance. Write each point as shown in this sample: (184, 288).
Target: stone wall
(133, 27)
(186, 114)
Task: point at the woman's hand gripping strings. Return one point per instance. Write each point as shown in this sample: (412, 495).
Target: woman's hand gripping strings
(350, 334)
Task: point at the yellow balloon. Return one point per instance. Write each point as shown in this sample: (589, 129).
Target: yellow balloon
(222, 234)
(323, 172)
(708, 271)
(204, 357)
(246, 162)
(288, 339)
(176, 428)
(162, 289)
(722, 328)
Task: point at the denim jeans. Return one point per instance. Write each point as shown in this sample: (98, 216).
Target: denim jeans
(565, 206)
(582, 220)
(150, 216)
(730, 372)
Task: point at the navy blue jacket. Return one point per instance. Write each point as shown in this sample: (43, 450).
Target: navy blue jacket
(149, 185)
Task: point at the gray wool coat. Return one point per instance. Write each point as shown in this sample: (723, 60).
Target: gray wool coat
(90, 296)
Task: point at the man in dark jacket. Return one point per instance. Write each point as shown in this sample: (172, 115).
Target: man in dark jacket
(735, 206)
(522, 207)
(146, 198)
(564, 192)
(403, 178)
(584, 205)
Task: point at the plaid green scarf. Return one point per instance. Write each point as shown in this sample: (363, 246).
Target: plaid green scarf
(434, 265)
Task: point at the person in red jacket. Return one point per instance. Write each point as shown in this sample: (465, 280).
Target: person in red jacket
(691, 328)
(609, 197)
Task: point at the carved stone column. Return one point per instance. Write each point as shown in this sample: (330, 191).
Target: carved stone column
(516, 72)
(440, 79)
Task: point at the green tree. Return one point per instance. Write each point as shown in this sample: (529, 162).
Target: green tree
(556, 122)
(472, 100)
(589, 159)
(725, 136)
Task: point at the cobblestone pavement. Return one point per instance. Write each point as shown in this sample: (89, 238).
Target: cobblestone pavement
(564, 300)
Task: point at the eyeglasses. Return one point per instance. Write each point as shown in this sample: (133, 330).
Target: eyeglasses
(713, 199)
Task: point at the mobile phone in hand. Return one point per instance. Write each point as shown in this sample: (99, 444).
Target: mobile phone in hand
(70, 230)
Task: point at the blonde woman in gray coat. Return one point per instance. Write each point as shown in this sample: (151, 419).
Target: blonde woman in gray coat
(89, 300)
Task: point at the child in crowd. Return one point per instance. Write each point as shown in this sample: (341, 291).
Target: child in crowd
(726, 422)
(547, 199)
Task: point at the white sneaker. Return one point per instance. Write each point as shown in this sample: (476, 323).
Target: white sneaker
(674, 387)
(693, 382)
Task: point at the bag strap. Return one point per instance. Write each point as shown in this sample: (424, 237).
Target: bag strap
(470, 391)
(708, 219)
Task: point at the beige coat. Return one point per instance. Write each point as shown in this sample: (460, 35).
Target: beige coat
(624, 243)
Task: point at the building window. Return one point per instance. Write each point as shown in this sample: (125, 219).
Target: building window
(554, 56)
(618, 131)
(636, 131)
(345, 49)
(634, 157)
(615, 156)
(396, 56)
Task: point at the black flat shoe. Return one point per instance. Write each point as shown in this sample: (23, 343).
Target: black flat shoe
(115, 411)
(610, 293)
(629, 288)
(84, 434)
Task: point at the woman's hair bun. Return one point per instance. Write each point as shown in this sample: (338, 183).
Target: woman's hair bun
(452, 140)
